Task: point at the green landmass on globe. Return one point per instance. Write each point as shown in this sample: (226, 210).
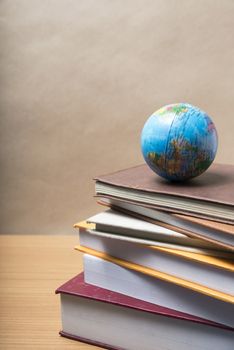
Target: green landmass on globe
(179, 142)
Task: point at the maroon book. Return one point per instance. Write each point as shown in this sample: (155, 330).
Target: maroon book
(80, 301)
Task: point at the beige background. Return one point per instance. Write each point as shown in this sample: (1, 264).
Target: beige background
(78, 81)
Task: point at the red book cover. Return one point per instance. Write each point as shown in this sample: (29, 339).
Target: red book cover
(77, 287)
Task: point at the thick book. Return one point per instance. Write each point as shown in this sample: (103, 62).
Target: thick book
(114, 321)
(209, 275)
(116, 278)
(208, 196)
(118, 225)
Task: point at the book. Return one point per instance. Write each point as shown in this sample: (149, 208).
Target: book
(220, 226)
(117, 225)
(114, 321)
(116, 278)
(219, 234)
(171, 246)
(214, 276)
(207, 196)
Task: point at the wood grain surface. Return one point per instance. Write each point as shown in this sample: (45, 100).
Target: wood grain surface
(32, 267)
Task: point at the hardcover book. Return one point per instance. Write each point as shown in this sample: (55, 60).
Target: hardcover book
(114, 321)
(112, 223)
(204, 274)
(219, 234)
(209, 195)
(105, 274)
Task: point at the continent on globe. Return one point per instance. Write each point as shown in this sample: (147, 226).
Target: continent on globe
(179, 141)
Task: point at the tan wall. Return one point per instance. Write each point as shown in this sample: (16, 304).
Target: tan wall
(79, 79)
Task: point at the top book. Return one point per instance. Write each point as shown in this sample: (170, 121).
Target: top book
(209, 196)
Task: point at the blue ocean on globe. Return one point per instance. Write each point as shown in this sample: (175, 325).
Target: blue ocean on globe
(179, 141)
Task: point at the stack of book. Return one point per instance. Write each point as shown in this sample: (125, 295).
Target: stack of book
(158, 264)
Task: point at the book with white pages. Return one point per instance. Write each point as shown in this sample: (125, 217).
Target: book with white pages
(219, 234)
(209, 196)
(115, 321)
(117, 225)
(116, 278)
(210, 275)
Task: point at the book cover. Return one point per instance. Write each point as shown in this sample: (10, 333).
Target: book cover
(215, 185)
(115, 321)
(77, 287)
(211, 191)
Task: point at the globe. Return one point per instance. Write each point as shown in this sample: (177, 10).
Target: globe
(179, 141)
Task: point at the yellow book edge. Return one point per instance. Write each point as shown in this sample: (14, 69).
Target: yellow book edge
(200, 258)
(160, 275)
(84, 224)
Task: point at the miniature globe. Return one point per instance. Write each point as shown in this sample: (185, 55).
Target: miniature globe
(179, 141)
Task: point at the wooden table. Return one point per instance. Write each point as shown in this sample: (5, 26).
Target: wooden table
(32, 267)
